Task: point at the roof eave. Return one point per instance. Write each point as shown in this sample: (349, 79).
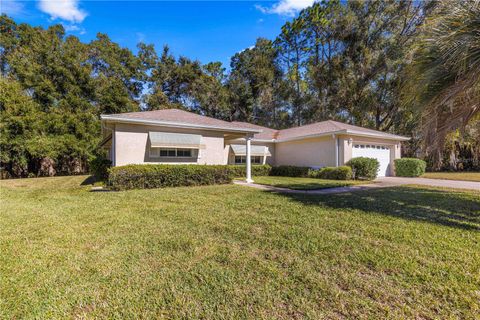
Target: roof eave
(377, 135)
(253, 140)
(177, 124)
(349, 132)
(316, 135)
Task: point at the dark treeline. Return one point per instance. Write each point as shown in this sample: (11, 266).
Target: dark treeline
(334, 61)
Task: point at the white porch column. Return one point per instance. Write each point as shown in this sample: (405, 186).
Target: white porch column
(249, 159)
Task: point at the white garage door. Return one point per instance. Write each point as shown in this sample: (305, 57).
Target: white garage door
(381, 153)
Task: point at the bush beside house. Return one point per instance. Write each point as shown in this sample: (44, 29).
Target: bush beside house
(409, 167)
(99, 167)
(163, 175)
(240, 171)
(290, 171)
(333, 173)
(364, 168)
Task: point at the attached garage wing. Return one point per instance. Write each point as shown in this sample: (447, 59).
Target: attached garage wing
(381, 153)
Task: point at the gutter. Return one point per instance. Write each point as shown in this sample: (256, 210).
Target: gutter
(349, 132)
(177, 124)
(378, 135)
(315, 135)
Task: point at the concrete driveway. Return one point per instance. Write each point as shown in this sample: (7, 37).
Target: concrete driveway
(378, 183)
(456, 184)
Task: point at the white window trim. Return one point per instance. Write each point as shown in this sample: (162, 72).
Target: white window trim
(157, 155)
(262, 160)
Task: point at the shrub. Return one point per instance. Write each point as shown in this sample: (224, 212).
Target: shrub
(164, 175)
(364, 168)
(99, 167)
(290, 171)
(240, 171)
(409, 167)
(333, 173)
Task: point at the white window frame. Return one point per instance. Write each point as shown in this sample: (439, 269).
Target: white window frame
(244, 159)
(156, 153)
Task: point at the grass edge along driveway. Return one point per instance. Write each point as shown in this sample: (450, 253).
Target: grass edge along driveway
(295, 183)
(462, 176)
(227, 251)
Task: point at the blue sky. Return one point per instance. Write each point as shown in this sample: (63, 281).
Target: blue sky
(207, 31)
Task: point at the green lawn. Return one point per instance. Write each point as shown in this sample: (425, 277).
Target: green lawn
(223, 252)
(466, 176)
(304, 183)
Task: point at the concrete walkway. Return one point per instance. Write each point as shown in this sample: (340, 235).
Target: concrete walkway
(378, 183)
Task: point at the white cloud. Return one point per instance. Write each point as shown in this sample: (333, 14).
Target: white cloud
(11, 7)
(286, 7)
(245, 49)
(74, 28)
(63, 9)
(141, 37)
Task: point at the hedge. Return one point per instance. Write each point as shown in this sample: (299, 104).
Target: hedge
(99, 167)
(409, 167)
(364, 168)
(290, 171)
(240, 171)
(333, 173)
(164, 175)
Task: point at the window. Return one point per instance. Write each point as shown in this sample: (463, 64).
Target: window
(167, 152)
(172, 153)
(184, 153)
(154, 152)
(243, 159)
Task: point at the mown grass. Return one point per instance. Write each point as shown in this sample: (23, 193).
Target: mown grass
(465, 176)
(305, 183)
(223, 252)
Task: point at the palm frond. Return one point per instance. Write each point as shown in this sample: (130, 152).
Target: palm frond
(444, 79)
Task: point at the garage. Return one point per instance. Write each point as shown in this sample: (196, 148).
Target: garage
(381, 153)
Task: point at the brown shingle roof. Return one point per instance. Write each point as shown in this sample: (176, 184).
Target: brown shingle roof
(176, 116)
(317, 128)
(266, 134)
(325, 127)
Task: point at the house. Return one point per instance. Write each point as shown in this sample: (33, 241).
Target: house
(175, 136)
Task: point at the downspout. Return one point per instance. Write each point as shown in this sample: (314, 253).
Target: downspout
(113, 156)
(336, 150)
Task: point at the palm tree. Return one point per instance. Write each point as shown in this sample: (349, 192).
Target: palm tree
(444, 78)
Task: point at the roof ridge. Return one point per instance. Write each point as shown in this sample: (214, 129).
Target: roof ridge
(336, 124)
(310, 124)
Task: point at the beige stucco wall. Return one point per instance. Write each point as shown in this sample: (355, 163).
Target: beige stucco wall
(132, 146)
(313, 152)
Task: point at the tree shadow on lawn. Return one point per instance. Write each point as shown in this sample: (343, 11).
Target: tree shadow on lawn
(453, 209)
(90, 180)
